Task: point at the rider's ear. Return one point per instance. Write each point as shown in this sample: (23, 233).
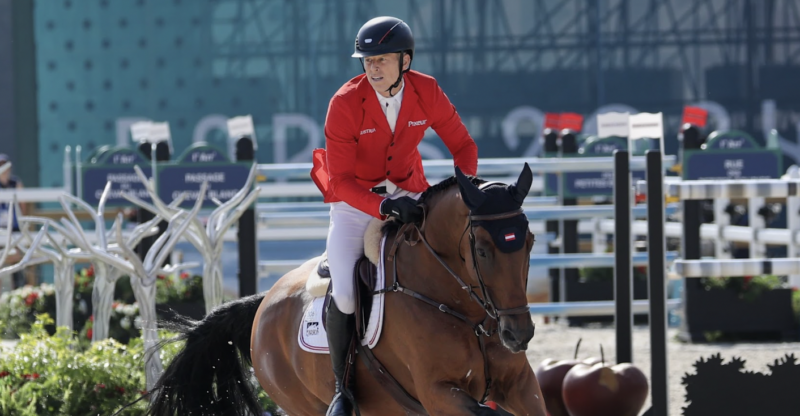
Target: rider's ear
(472, 196)
(520, 189)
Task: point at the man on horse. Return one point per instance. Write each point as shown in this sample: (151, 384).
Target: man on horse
(371, 167)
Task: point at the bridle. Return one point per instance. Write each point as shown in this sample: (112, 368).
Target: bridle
(486, 302)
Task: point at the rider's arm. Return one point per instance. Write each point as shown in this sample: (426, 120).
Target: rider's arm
(447, 124)
(341, 145)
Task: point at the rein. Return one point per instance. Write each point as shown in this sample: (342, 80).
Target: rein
(486, 303)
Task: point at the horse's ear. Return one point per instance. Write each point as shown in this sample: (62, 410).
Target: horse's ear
(520, 189)
(472, 196)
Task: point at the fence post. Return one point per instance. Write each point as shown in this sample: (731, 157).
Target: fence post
(657, 284)
(623, 274)
(690, 241)
(551, 226)
(569, 148)
(246, 232)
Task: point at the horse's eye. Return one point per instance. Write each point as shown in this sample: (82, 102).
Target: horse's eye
(481, 252)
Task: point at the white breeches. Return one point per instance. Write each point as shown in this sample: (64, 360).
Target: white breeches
(346, 245)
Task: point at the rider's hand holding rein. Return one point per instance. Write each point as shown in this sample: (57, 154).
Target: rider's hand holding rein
(404, 209)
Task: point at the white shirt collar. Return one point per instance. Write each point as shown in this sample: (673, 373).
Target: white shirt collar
(397, 97)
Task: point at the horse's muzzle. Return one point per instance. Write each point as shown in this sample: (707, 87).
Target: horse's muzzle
(516, 332)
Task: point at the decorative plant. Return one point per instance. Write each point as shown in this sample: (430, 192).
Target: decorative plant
(748, 288)
(50, 375)
(19, 307)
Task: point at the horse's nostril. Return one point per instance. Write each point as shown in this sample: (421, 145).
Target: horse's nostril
(509, 335)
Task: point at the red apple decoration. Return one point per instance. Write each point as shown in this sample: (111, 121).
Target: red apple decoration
(550, 375)
(600, 390)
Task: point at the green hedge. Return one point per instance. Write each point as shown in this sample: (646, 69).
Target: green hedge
(48, 375)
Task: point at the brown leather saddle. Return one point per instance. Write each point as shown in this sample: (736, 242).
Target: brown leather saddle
(365, 276)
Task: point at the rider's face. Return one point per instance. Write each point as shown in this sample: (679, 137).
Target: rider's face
(383, 70)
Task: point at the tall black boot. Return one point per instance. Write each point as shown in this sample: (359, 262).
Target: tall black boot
(340, 329)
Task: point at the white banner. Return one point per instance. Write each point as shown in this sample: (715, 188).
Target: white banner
(612, 124)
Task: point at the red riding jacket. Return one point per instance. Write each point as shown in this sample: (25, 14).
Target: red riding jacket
(362, 151)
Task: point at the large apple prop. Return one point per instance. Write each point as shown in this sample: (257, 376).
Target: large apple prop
(599, 390)
(550, 375)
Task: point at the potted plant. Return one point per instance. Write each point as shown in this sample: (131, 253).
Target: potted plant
(750, 307)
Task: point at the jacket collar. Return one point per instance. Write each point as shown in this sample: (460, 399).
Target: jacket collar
(372, 106)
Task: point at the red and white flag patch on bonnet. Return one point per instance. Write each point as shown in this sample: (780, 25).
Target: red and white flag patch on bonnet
(510, 237)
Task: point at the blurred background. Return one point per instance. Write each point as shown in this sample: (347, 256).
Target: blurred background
(80, 72)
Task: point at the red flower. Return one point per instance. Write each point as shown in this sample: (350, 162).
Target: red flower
(89, 333)
(31, 298)
(90, 271)
(161, 277)
(121, 390)
(99, 386)
(33, 376)
(747, 280)
(184, 275)
(4, 374)
(91, 318)
(114, 305)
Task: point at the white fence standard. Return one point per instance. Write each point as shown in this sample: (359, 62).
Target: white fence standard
(308, 220)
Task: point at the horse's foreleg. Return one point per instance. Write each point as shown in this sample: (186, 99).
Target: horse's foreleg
(446, 399)
(523, 396)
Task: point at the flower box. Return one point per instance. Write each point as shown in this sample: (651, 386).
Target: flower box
(715, 312)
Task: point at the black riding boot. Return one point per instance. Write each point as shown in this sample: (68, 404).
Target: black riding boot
(340, 328)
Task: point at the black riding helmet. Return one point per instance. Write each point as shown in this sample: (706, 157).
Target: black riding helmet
(383, 35)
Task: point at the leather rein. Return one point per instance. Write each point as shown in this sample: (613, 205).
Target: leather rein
(486, 303)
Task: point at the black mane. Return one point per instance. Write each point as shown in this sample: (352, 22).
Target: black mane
(393, 226)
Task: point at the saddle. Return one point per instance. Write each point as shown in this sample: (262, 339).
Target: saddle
(365, 275)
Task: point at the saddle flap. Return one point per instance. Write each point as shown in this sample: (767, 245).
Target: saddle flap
(367, 273)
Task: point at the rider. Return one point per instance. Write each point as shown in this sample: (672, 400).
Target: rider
(371, 166)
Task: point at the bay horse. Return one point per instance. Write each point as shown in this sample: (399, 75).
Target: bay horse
(457, 340)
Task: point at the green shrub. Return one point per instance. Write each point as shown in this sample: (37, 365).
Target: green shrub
(748, 288)
(18, 308)
(50, 375)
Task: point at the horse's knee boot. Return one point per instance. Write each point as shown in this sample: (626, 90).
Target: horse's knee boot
(340, 329)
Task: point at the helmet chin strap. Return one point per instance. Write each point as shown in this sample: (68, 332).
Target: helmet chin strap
(399, 77)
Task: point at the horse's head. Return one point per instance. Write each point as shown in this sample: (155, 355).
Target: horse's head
(497, 254)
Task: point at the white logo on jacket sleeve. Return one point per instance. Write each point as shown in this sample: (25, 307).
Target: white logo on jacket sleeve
(367, 131)
(417, 123)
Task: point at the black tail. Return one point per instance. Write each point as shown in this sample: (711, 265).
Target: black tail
(208, 376)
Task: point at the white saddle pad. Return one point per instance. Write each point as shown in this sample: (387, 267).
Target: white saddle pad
(312, 336)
